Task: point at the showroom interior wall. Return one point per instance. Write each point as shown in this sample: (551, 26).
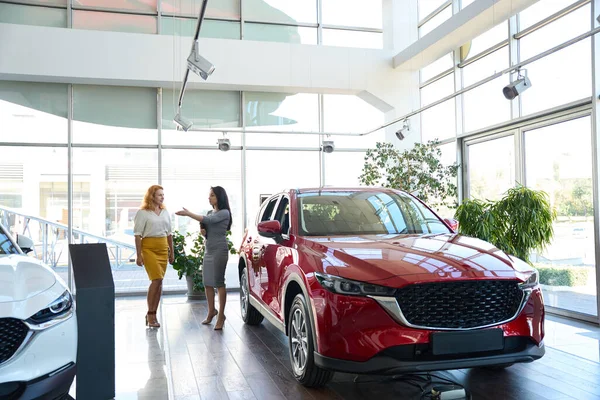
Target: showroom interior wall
(546, 138)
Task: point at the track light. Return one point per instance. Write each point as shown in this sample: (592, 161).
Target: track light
(198, 64)
(224, 144)
(328, 146)
(182, 123)
(517, 87)
(402, 132)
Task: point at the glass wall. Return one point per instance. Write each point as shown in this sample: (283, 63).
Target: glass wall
(346, 23)
(541, 139)
(118, 151)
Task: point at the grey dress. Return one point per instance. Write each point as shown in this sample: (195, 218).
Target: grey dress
(216, 252)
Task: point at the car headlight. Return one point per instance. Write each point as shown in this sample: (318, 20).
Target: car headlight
(58, 311)
(339, 285)
(532, 281)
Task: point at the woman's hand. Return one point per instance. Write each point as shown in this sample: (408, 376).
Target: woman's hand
(139, 260)
(185, 212)
(171, 258)
(203, 232)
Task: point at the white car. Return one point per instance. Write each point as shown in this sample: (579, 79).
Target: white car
(38, 326)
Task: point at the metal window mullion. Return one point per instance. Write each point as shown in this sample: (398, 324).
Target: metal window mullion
(595, 142)
(352, 28)
(243, 160)
(513, 59)
(159, 19)
(115, 10)
(242, 22)
(69, 13)
(319, 22)
(287, 24)
(484, 53)
(322, 181)
(70, 181)
(436, 78)
(33, 4)
(434, 13)
(558, 15)
(159, 131)
(458, 110)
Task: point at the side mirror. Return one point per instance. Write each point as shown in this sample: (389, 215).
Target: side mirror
(452, 223)
(270, 229)
(25, 243)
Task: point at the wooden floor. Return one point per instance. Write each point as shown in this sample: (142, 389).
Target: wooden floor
(243, 362)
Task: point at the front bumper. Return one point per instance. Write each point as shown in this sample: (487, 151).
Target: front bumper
(386, 364)
(52, 386)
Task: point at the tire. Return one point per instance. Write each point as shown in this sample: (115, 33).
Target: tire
(302, 348)
(250, 315)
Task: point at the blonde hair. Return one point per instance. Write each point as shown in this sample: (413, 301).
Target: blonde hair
(148, 202)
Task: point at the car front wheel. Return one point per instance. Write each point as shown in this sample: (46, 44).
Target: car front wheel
(302, 347)
(250, 315)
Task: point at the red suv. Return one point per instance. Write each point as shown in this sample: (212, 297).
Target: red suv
(373, 281)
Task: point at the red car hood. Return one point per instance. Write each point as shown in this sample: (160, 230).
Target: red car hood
(399, 260)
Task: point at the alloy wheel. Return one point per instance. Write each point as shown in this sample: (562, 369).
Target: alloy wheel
(299, 338)
(244, 295)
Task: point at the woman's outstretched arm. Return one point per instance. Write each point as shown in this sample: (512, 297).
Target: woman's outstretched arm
(187, 213)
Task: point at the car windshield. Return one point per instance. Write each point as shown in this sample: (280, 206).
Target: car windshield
(6, 245)
(366, 213)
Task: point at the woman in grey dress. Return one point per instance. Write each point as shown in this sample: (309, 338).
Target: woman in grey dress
(216, 224)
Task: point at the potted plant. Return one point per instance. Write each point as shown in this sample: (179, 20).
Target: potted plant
(189, 259)
(517, 224)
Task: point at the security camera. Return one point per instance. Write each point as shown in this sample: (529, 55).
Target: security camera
(182, 123)
(224, 144)
(400, 133)
(517, 87)
(198, 64)
(328, 146)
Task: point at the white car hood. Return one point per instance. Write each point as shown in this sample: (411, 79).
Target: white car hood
(23, 277)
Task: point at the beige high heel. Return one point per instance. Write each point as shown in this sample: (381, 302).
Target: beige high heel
(209, 319)
(218, 326)
(149, 322)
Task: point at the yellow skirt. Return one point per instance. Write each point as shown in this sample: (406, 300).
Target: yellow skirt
(155, 251)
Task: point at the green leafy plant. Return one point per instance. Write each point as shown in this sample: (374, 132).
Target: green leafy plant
(416, 170)
(563, 276)
(520, 222)
(189, 262)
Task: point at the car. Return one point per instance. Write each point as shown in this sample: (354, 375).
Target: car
(38, 325)
(372, 281)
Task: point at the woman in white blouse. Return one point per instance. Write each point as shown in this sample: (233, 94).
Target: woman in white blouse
(154, 245)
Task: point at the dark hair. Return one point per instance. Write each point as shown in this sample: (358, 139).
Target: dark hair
(222, 202)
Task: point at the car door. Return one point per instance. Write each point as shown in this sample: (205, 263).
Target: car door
(276, 256)
(255, 243)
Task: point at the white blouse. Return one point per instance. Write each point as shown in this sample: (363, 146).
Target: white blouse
(148, 224)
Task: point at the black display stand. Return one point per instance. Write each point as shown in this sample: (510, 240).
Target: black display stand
(95, 302)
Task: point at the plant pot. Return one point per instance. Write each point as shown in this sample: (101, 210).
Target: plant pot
(191, 293)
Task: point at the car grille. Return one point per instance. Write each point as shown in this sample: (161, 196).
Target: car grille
(12, 334)
(460, 305)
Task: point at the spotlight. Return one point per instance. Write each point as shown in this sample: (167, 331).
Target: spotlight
(182, 123)
(224, 144)
(328, 146)
(517, 87)
(198, 64)
(401, 133)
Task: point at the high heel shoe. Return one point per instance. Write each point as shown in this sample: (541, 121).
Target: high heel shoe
(209, 319)
(219, 327)
(152, 323)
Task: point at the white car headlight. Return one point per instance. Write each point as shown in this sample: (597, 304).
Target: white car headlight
(339, 285)
(58, 311)
(532, 281)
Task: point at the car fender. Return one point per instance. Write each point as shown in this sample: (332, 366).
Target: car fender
(295, 276)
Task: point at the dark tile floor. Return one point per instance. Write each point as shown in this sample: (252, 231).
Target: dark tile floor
(185, 360)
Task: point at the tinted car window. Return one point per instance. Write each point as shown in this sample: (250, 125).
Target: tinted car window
(6, 245)
(374, 213)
